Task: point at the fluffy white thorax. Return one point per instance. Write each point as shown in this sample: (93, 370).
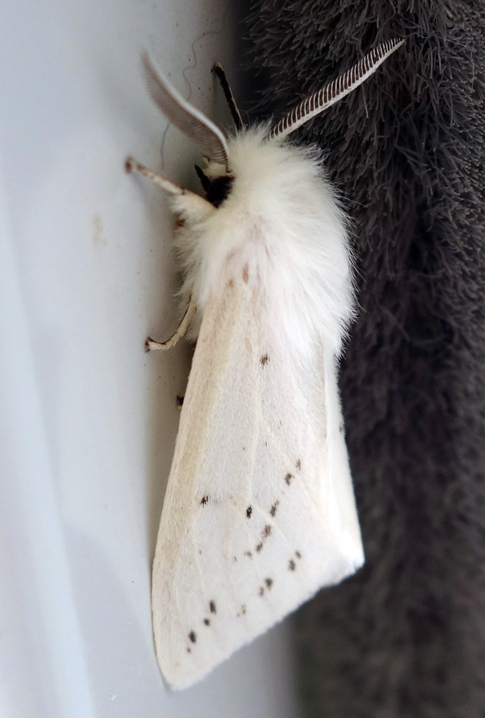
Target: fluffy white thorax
(281, 230)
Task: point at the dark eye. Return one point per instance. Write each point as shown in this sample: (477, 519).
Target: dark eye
(218, 190)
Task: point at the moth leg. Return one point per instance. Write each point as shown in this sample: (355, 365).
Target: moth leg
(218, 70)
(166, 184)
(152, 346)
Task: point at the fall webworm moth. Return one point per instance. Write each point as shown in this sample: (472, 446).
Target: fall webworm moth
(259, 512)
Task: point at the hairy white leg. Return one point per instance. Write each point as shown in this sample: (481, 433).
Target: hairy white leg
(188, 205)
(152, 346)
(166, 184)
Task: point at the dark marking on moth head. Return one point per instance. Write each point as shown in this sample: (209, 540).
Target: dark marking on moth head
(248, 553)
(264, 359)
(212, 606)
(261, 591)
(216, 190)
(259, 547)
(207, 622)
(180, 222)
(288, 478)
(298, 464)
(297, 554)
(179, 400)
(249, 511)
(274, 508)
(204, 500)
(269, 583)
(266, 531)
(245, 274)
(193, 636)
(291, 565)
(219, 189)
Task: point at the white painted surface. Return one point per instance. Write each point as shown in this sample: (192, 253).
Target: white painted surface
(87, 420)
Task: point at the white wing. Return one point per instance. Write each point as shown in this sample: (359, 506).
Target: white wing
(259, 513)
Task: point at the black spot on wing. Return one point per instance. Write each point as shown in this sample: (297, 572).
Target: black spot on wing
(265, 533)
(261, 591)
(193, 636)
(291, 565)
(269, 582)
(179, 400)
(297, 554)
(207, 622)
(249, 511)
(298, 464)
(248, 554)
(264, 359)
(204, 500)
(212, 606)
(289, 478)
(274, 508)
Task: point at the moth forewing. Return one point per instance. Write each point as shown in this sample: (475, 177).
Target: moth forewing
(259, 512)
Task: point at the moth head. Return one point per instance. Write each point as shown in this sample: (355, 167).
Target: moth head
(216, 177)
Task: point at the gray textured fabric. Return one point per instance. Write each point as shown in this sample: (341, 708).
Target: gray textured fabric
(406, 636)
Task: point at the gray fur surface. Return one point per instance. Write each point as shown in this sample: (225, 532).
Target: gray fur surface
(406, 636)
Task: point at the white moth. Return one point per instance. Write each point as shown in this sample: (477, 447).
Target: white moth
(259, 512)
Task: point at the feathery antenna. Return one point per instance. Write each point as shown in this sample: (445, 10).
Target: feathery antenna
(335, 90)
(193, 123)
